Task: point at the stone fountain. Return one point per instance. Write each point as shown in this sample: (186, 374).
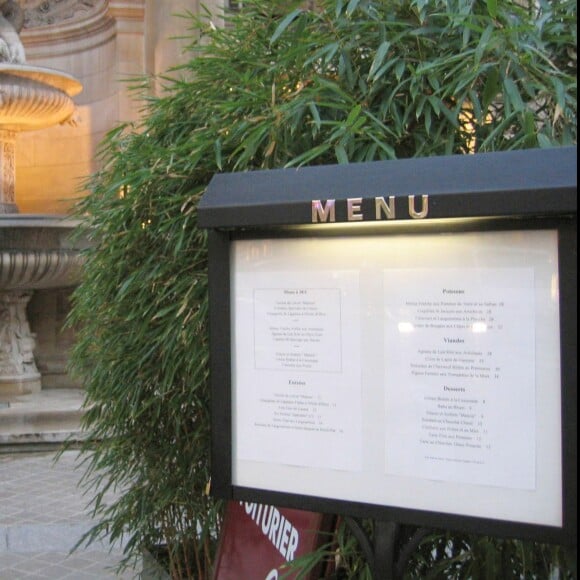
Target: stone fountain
(35, 250)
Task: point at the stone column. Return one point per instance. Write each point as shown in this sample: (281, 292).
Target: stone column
(18, 372)
(7, 171)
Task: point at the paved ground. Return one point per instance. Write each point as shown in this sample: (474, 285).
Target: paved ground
(42, 515)
(43, 512)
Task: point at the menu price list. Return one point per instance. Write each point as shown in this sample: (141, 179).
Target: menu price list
(460, 385)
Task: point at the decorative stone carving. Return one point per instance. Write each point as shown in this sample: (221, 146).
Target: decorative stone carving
(18, 372)
(11, 22)
(49, 12)
(7, 142)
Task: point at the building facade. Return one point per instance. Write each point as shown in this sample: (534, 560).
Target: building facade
(103, 44)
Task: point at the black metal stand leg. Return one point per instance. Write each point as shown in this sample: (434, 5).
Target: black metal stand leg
(381, 554)
(384, 550)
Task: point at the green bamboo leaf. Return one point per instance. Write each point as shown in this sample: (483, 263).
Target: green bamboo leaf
(476, 106)
(385, 68)
(351, 7)
(433, 80)
(529, 124)
(450, 114)
(560, 91)
(284, 24)
(492, 8)
(466, 36)
(513, 94)
(400, 69)
(309, 155)
(353, 115)
(379, 58)
(419, 106)
(483, 43)
(341, 155)
(163, 312)
(491, 88)
(218, 154)
(436, 104)
(427, 117)
(358, 124)
(315, 114)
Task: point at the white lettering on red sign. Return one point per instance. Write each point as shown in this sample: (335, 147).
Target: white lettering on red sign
(277, 529)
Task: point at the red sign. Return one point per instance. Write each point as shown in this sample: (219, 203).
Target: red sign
(258, 540)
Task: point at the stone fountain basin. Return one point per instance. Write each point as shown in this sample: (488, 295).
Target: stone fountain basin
(37, 252)
(35, 97)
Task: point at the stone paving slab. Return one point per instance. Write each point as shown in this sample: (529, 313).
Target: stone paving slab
(43, 514)
(61, 565)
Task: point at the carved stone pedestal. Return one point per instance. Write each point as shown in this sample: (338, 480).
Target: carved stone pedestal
(18, 372)
(36, 255)
(7, 142)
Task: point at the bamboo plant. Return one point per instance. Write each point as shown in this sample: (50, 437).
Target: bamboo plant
(278, 84)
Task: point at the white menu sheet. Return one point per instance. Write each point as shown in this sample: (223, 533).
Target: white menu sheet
(298, 395)
(459, 380)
